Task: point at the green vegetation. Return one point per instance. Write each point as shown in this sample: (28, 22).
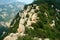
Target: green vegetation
(42, 29)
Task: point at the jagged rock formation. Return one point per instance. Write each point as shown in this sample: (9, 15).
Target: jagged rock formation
(26, 20)
(37, 20)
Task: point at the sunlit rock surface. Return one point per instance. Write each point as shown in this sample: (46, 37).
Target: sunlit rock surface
(37, 21)
(24, 18)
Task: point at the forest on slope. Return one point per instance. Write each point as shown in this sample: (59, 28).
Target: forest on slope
(40, 19)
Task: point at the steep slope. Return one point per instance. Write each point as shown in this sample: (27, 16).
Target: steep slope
(37, 21)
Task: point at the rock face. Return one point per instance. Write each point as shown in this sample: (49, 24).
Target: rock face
(29, 18)
(37, 21)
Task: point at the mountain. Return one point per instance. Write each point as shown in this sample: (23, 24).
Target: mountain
(37, 21)
(8, 11)
(7, 14)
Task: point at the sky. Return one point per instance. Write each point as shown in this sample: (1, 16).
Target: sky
(10, 1)
(26, 1)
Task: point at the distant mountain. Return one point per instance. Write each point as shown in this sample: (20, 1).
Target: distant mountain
(7, 1)
(7, 14)
(8, 11)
